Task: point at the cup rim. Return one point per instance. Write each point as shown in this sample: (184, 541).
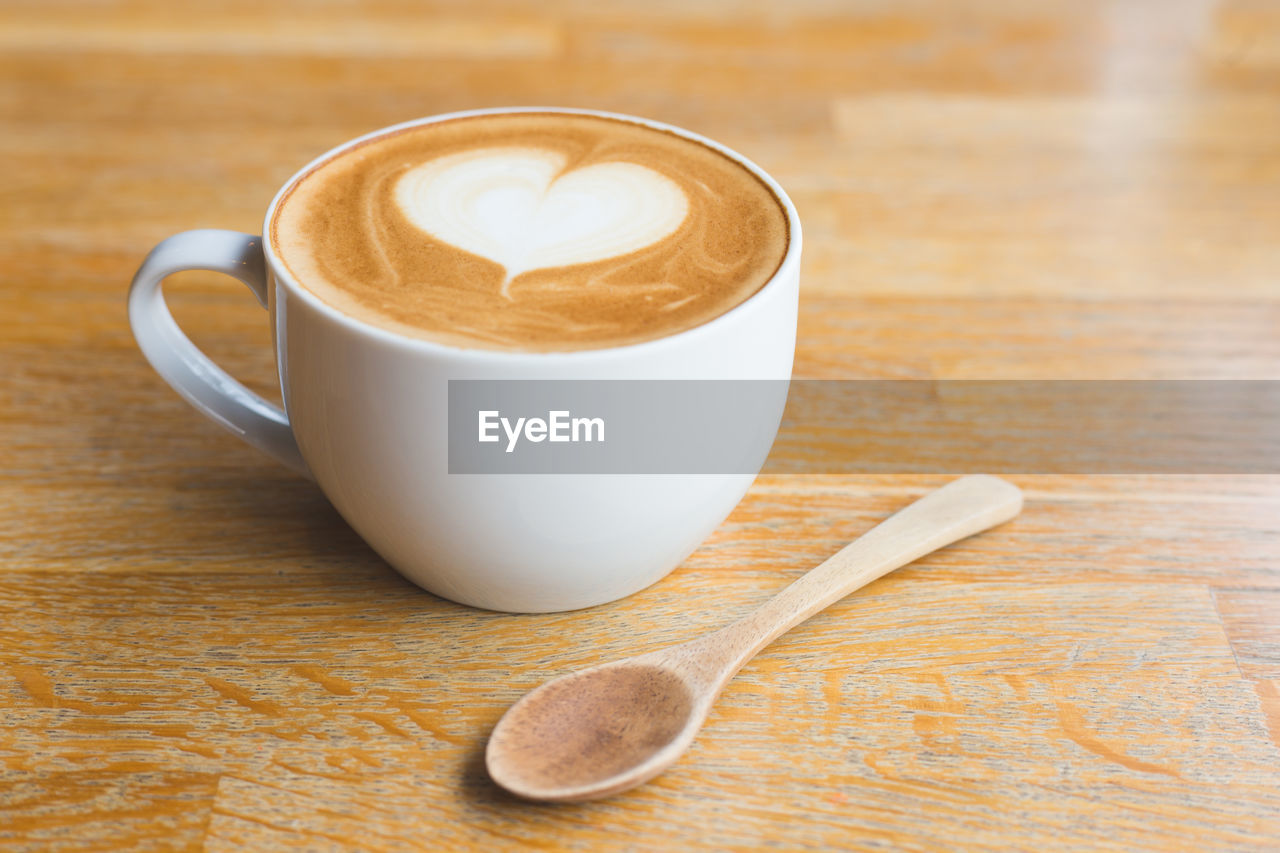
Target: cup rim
(284, 275)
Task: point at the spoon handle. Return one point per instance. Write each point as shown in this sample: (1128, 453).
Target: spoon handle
(961, 508)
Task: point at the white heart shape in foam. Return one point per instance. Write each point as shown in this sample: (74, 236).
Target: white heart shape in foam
(517, 207)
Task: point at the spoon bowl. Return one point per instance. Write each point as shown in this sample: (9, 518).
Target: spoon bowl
(602, 730)
(594, 732)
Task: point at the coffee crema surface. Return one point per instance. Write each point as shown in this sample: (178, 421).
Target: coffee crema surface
(536, 231)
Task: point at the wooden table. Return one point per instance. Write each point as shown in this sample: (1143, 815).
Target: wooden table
(194, 649)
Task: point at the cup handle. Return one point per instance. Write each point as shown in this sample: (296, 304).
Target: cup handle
(190, 372)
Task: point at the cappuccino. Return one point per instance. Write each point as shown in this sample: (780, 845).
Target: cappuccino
(531, 231)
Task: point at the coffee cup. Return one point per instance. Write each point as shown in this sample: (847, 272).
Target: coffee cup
(366, 394)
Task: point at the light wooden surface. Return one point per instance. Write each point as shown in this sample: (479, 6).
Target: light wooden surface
(194, 650)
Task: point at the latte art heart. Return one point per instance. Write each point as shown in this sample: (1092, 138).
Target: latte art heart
(531, 231)
(518, 207)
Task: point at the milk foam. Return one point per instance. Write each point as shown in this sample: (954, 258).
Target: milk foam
(519, 207)
(531, 231)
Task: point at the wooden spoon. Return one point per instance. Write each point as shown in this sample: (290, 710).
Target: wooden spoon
(603, 730)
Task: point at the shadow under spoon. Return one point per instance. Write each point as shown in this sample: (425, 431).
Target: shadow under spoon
(602, 730)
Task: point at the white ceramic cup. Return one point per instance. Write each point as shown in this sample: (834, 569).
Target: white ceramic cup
(366, 416)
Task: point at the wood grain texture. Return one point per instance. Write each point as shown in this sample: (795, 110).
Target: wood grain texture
(195, 651)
